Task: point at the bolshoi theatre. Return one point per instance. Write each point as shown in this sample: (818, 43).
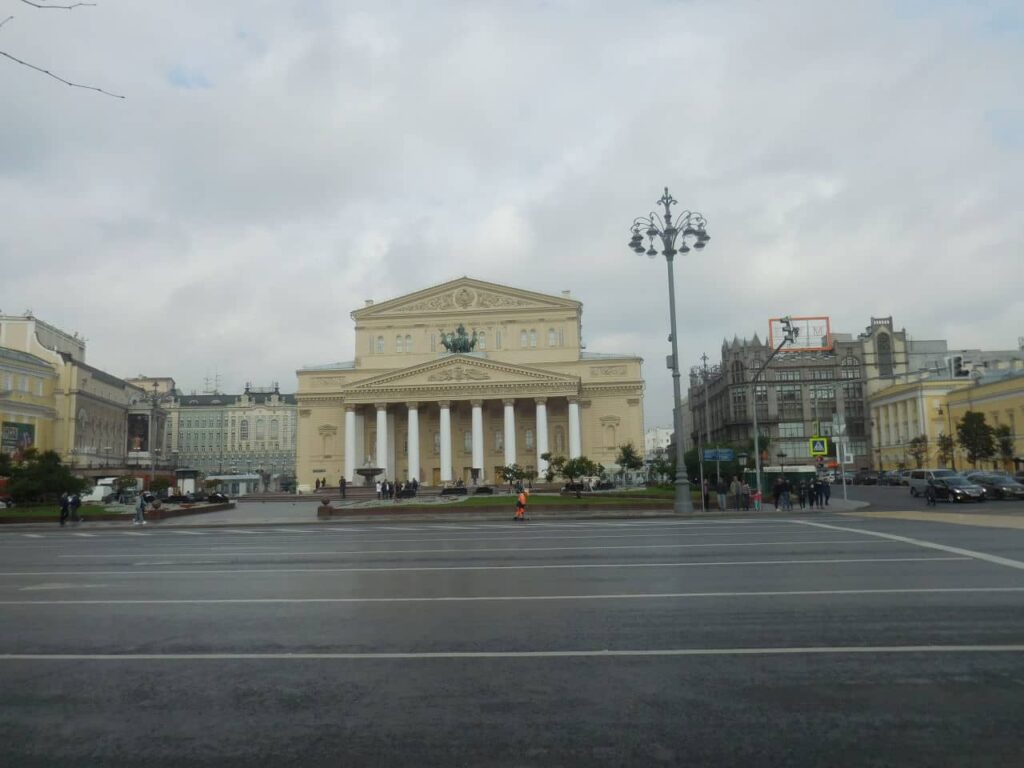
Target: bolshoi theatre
(455, 381)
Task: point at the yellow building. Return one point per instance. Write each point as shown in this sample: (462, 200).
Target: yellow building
(409, 406)
(934, 407)
(27, 404)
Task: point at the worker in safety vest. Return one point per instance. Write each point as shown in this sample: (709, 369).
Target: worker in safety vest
(521, 505)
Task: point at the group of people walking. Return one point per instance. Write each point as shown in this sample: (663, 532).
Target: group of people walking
(389, 491)
(69, 504)
(342, 485)
(731, 495)
(813, 493)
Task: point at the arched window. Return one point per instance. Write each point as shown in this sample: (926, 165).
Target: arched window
(261, 428)
(243, 430)
(524, 339)
(533, 339)
(481, 340)
(399, 345)
(408, 343)
(884, 349)
(528, 440)
(275, 429)
(380, 345)
(552, 337)
(559, 440)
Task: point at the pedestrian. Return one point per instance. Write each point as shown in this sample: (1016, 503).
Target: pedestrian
(787, 489)
(777, 492)
(819, 493)
(801, 493)
(65, 507)
(826, 487)
(929, 495)
(722, 489)
(380, 487)
(140, 511)
(706, 489)
(342, 485)
(736, 490)
(74, 503)
(521, 505)
(745, 493)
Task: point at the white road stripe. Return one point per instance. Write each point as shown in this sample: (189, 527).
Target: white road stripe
(33, 535)
(369, 656)
(233, 530)
(921, 543)
(519, 598)
(134, 533)
(188, 533)
(561, 566)
(86, 535)
(510, 550)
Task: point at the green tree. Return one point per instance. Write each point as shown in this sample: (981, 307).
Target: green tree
(555, 464)
(945, 447)
(575, 469)
(919, 449)
(976, 437)
(512, 473)
(124, 482)
(42, 476)
(1004, 444)
(628, 459)
(664, 468)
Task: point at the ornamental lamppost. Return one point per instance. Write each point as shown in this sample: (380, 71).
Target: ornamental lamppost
(674, 237)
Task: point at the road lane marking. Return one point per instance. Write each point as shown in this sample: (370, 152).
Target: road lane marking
(605, 653)
(33, 535)
(922, 543)
(134, 533)
(188, 533)
(953, 518)
(560, 566)
(510, 550)
(85, 535)
(518, 598)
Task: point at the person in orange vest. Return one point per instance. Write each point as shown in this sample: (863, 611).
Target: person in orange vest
(521, 505)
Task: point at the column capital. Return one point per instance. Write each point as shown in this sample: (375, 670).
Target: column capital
(540, 400)
(350, 407)
(446, 404)
(381, 406)
(508, 401)
(477, 403)
(573, 399)
(412, 406)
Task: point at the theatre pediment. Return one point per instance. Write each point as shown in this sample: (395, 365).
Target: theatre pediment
(464, 295)
(467, 373)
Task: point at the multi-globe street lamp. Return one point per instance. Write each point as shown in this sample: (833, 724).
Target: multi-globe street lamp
(674, 237)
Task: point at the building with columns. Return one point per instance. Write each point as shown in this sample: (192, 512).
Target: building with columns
(409, 406)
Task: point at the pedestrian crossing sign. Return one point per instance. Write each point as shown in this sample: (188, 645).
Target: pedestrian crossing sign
(819, 446)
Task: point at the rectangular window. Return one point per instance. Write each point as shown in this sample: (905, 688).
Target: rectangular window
(499, 440)
(788, 374)
(791, 429)
(467, 441)
(790, 398)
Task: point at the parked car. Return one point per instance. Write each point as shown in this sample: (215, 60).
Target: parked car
(998, 486)
(957, 488)
(905, 477)
(919, 478)
(890, 477)
(866, 477)
(217, 498)
(6, 502)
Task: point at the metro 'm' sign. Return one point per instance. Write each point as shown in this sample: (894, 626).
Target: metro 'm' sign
(815, 334)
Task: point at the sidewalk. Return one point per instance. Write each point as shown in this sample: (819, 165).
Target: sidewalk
(247, 514)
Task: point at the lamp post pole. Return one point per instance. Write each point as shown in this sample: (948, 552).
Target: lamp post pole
(673, 237)
(789, 336)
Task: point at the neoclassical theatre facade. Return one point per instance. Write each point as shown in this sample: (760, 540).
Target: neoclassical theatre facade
(409, 405)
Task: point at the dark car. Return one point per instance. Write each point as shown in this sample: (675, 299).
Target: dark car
(889, 478)
(957, 489)
(866, 478)
(999, 486)
(217, 498)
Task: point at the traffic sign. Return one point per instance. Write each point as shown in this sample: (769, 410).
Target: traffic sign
(819, 446)
(719, 454)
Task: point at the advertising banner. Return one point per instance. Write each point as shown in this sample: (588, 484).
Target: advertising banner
(17, 437)
(138, 432)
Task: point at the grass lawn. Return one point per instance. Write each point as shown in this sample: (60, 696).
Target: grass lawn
(554, 500)
(52, 510)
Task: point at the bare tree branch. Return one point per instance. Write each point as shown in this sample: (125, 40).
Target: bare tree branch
(9, 18)
(56, 77)
(60, 7)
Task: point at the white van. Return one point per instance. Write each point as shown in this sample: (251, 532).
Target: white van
(919, 478)
(104, 487)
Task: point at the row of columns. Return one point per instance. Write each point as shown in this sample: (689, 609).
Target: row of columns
(477, 422)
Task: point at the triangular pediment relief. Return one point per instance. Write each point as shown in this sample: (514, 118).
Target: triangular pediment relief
(464, 295)
(462, 369)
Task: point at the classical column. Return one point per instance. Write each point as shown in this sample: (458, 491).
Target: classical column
(413, 451)
(446, 441)
(510, 431)
(542, 434)
(478, 436)
(351, 459)
(382, 438)
(575, 449)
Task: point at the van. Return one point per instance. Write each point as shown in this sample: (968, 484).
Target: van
(919, 478)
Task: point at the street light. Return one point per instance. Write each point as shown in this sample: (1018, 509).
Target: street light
(790, 332)
(673, 236)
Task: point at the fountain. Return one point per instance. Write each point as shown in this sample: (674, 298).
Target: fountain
(368, 473)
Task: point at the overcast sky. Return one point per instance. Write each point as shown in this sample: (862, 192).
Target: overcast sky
(276, 163)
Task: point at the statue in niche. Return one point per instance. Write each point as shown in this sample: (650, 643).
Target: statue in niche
(459, 340)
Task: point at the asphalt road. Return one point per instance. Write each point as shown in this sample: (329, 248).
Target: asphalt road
(654, 642)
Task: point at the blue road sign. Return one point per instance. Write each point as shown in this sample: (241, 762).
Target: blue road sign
(719, 454)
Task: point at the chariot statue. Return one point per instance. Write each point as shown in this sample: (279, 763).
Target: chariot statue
(459, 340)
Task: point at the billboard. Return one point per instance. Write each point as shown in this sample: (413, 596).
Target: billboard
(16, 437)
(814, 334)
(138, 432)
